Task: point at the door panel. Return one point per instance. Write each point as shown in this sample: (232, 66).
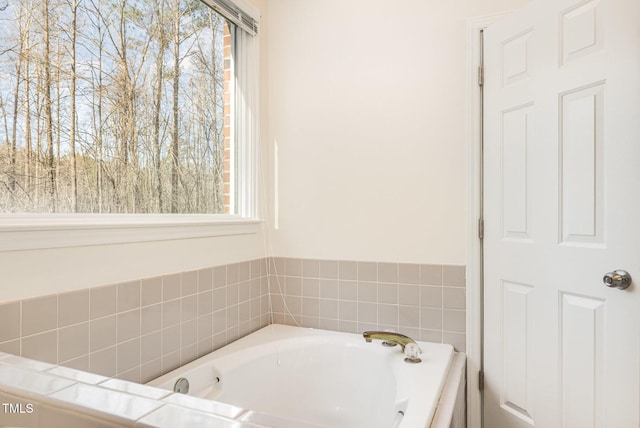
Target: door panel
(562, 208)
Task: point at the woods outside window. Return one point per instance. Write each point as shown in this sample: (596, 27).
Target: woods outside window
(124, 107)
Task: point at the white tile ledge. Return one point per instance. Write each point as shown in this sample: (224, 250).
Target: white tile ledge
(63, 394)
(36, 231)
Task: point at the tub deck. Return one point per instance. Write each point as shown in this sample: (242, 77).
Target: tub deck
(300, 377)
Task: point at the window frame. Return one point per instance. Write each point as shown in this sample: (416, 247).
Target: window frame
(26, 231)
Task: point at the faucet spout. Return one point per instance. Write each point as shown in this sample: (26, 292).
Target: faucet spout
(390, 337)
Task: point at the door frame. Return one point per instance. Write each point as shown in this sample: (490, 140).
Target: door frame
(474, 286)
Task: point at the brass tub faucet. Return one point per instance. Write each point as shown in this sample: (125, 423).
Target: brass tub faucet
(409, 346)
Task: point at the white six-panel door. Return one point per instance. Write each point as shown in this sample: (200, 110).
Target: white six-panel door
(562, 208)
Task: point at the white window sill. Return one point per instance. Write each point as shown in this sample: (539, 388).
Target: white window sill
(41, 231)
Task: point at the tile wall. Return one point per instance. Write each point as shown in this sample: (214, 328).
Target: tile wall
(141, 329)
(426, 302)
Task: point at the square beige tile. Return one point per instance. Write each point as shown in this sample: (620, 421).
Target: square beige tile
(189, 283)
(430, 296)
(310, 287)
(73, 341)
(431, 318)
(205, 279)
(348, 290)
(171, 313)
(150, 318)
(151, 291)
(388, 272)
(73, 307)
(329, 288)
(151, 346)
(170, 340)
(232, 294)
(244, 271)
(150, 370)
(104, 362)
(293, 267)
(409, 316)
(219, 276)
(188, 333)
(388, 315)
(170, 287)
(219, 298)
(205, 326)
(39, 314)
(458, 340)
(10, 321)
(328, 308)
(347, 311)
(41, 347)
(256, 268)
(11, 347)
(232, 317)
(170, 361)
(454, 276)
(367, 271)
(103, 301)
(244, 312)
(128, 355)
(128, 296)
(244, 291)
(328, 269)
(189, 308)
(431, 274)
(205, 303)
(128, 325)
(454, 298)
(409, 294)
(367, 292)
(310, 268)
(310, 307)
(293, 286)
(454, 321)
(102, 333)
(367, 312)
(347, 270)
(409, 273)
(232, 273)
(388, 293)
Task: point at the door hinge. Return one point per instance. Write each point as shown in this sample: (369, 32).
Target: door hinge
(481, 229)
(481, 381)
(480, 75)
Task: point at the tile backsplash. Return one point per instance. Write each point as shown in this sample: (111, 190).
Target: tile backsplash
(141, 329)
(423, 301)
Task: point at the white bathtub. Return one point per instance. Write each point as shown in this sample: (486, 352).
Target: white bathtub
(298, 377)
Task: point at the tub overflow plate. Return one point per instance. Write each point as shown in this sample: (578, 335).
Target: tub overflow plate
(181, 386)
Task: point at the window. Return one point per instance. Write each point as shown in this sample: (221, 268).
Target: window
(120, 107)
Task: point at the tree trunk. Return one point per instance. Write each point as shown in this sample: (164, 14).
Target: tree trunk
(48, 111)
(72, 94)
(175, 133)
(16, 101)
(162, 46)
(72, 119)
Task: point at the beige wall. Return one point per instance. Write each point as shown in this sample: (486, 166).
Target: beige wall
(367, 109)
(38, 272)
